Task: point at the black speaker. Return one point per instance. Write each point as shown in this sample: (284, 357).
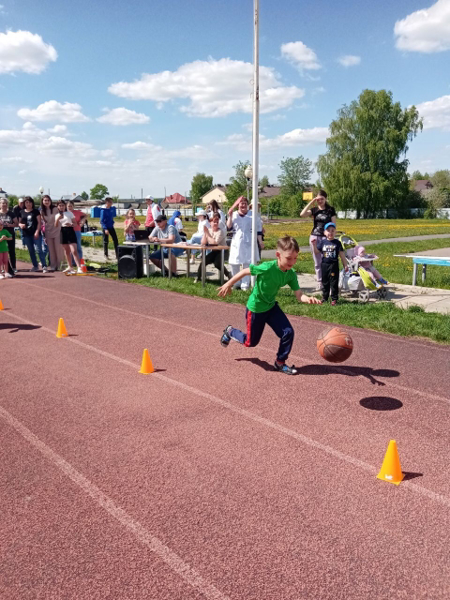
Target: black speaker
(131, 264)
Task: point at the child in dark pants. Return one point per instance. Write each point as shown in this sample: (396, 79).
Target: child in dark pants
(262, 307)
(330, 249)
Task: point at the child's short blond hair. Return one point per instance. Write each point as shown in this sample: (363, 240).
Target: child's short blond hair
(287, 244)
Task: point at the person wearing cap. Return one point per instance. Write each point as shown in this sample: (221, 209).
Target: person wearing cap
(153, 211)
(167, 234)
(322, 213)
(330, 250)
(203, 223)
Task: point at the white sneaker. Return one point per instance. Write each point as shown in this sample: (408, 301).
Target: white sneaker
(8, 275)
(44, 270)
(2, 276)
(192, 261)
(68, 270)
(79, 270)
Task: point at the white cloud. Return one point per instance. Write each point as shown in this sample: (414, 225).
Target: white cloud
(123, 116)
(141, 146)
(298, 137)
(426, 30)
(214, 88)
(349, 60)
(436, 113)
(15, 160)
(54, 111)
(39, 141)
(24, 51)
(304, 58)
(58, 129)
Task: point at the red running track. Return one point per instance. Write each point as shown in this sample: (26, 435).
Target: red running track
(215, 477)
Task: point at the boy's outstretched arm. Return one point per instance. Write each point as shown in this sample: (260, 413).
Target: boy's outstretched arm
(344, 259)
(228, 286)
(301, 297)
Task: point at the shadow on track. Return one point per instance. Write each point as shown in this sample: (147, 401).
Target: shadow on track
(263, 364)
(367, 372)
(15, 327)
(381, 403)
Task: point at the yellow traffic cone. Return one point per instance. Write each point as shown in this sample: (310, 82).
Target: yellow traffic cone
(62, 331)
(146, 365)
(1, 305)
(391, 470)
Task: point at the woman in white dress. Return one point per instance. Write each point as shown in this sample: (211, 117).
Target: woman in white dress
(241, 244)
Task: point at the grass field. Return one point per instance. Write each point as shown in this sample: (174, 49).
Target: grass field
(394, 269)
(381, 316)
(370, 229)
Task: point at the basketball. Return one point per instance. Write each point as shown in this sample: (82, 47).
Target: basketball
(335, 345)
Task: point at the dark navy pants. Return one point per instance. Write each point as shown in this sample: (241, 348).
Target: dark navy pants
(277, 320)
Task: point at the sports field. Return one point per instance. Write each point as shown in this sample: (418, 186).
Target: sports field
(214, 477)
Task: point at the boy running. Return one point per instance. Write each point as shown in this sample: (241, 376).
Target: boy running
(262, 307)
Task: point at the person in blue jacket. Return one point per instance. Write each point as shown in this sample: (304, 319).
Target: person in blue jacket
(107, 224)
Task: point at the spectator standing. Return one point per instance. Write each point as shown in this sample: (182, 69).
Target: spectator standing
(9, 220)
(80, 219)
(5, 236)
(30, 224)
(213, 208)
(322, 213)
(107, 215)
(17, 210)
(203, 223)
(52, 233)
(167, 234)
(66, 220)
(241, 244)
(153, 211)
(330, 249)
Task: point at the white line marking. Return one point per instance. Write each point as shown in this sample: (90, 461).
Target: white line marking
(441, 499)
(177, 564)
(195, 330)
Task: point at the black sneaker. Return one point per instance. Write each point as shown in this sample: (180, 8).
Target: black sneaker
(283, 368)
(226, 339)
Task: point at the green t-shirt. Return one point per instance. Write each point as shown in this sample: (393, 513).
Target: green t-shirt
(269, 279)
(4, 243)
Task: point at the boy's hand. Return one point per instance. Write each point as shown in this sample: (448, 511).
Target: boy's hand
(225, 290)
(310, 300)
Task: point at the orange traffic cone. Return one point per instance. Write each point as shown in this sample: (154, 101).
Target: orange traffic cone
(1, 305)
(62, 331)
(83, 265)
(391, 470)
(146, 365)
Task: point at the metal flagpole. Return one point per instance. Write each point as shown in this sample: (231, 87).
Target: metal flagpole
(255, 158)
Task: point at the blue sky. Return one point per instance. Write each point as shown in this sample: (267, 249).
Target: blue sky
(146, 94)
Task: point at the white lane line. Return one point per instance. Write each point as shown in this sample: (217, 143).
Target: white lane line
(439, 498)
(172, 560)
(214, 335)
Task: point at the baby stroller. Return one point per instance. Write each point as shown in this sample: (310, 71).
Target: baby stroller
(357, 280)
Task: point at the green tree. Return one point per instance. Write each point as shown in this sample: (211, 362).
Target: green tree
(264, 181)
(99, 191)
(295, 174)
(200, 184)
(84, 195)
(441, 179)
(365, 168)
(238, 183)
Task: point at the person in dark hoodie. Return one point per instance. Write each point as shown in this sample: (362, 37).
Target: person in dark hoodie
(107, 215)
